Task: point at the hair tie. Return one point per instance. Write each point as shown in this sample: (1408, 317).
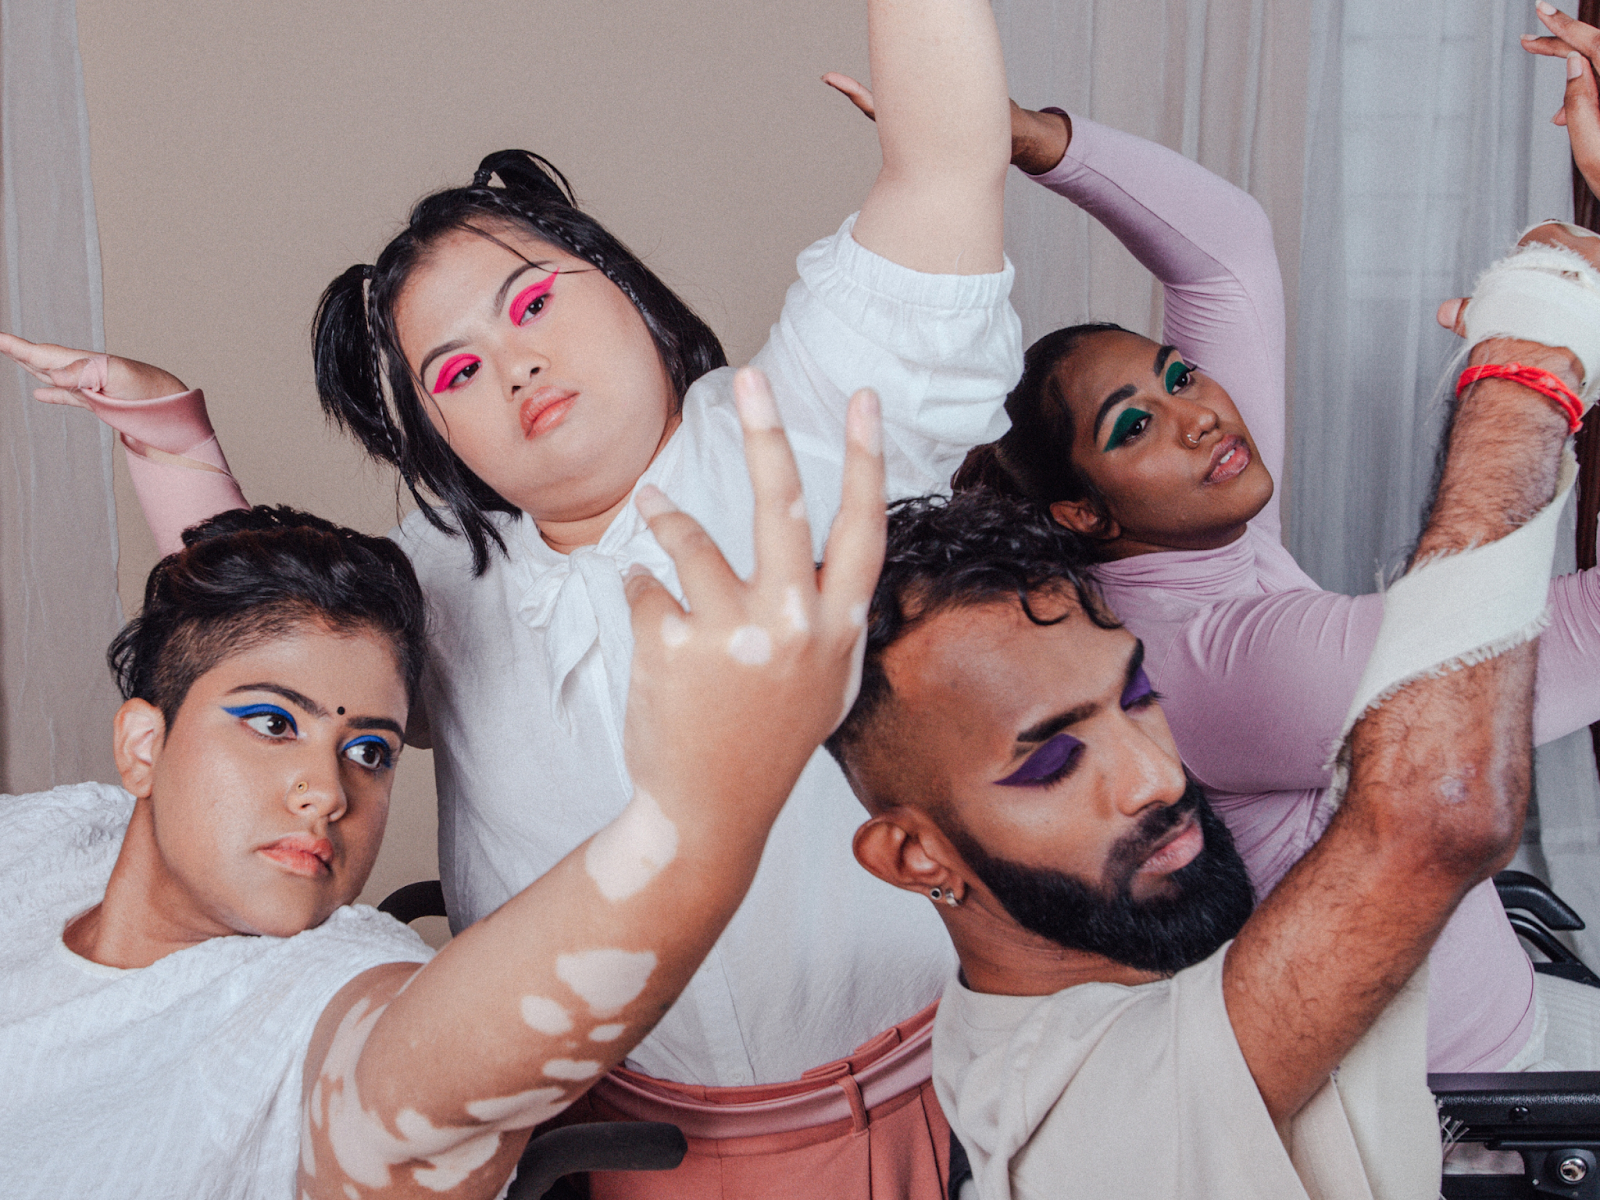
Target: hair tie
(481, 177)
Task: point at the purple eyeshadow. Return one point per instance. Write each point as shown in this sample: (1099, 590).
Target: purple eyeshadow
(1138, 689)
(1049, 759)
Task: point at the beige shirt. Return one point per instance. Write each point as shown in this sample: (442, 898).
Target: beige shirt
(1108, 1091)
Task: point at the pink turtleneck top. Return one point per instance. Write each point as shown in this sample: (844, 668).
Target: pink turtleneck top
(1256, 663)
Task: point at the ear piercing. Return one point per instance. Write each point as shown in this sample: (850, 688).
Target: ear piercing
(948, 895)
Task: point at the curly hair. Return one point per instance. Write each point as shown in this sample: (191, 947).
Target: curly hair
(249, 575)
(976, 547)
(366, 386)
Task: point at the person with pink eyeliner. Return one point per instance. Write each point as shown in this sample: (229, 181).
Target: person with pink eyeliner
(527, 374)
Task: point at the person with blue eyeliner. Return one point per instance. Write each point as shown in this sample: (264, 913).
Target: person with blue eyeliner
(189, 1003)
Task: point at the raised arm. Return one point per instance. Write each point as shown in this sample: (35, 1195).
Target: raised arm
(1210, 245)
(944, 128)
(176, 463)
(1438, 770)
(433, 1077)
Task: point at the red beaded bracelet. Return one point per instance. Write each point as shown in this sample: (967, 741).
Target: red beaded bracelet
(1538, 380)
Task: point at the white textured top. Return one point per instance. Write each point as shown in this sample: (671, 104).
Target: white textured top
(1123, 1093)
(527, 677)
(180, 1079)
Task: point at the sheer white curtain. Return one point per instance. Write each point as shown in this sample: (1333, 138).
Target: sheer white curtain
(58, 543)
(1221, 82)
(1428, 149)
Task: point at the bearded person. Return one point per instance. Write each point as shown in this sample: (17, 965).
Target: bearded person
(1126, 1022)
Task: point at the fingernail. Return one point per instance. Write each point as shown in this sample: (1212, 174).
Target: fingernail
(1574, 65)
(1545, 7)
(864, 421)
(652, 502)
(753, 397)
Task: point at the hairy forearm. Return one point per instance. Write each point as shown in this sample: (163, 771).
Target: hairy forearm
(1502, 462)
(1438, 773)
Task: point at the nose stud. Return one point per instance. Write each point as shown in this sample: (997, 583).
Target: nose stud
(301, 786)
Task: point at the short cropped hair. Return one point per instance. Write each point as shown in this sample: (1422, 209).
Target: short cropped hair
(246, 576)
(976, 547)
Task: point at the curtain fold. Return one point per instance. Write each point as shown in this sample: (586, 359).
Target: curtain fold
(58, 543)
(1428, 149)
(1221, 83)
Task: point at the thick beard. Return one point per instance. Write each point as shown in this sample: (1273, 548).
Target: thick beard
(1163, 934)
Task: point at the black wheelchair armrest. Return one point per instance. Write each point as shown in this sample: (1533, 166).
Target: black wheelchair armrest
(406, 904)
(1518, 889)
(1552, 1118)
(606, 1146)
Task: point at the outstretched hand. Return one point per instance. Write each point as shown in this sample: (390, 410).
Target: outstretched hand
(732, 693)
(1038, 139)
(66, 372)
(1579, 44)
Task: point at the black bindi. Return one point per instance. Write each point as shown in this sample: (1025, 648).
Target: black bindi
(341, 710)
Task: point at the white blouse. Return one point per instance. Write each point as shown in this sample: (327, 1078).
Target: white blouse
(182, 1078)
(527, 678)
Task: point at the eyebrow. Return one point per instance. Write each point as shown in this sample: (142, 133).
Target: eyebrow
(499, 299)
(1126, 390)
(1050, 726)
(500, 296)
(316, 710)
(378, 723)
(436, 352)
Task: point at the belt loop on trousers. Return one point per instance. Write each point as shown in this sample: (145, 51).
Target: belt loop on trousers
(852, 1094)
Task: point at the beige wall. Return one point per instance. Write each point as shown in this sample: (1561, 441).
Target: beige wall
(243, 155)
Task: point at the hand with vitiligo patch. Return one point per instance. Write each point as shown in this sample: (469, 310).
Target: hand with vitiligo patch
(426, 1082)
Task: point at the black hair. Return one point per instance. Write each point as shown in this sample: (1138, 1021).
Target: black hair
(366, 385)
(1033, 461)
(252, 574)
(977, 547)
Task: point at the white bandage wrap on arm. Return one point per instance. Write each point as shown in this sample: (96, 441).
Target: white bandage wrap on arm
(1459, 609)
(1545, 294)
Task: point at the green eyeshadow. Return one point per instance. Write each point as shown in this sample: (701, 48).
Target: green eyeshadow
(1126, 420)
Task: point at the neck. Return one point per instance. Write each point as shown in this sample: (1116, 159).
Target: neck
(564, 535)
(1129, 546)
(136, 924)
(1001, 958)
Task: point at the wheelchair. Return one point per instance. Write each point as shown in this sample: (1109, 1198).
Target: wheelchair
(551, 1158)
(1552, 1119)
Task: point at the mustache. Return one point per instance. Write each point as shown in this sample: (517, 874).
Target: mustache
(1128, 854)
